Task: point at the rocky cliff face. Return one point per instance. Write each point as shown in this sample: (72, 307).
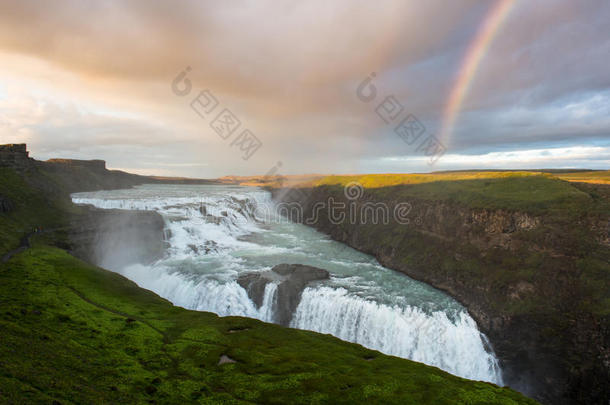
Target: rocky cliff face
(15, 156)
(88, 175)
(527, 279)
(116, 238)
(96, 164)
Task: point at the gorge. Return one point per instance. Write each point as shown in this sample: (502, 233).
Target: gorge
(217, 235)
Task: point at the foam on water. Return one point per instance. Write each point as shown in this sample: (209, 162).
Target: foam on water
(215, 233)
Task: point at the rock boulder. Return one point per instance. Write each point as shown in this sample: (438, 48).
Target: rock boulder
(291, 280)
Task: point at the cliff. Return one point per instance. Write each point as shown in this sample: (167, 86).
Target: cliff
(88, 175)
(527, 255)
(116, 238)
(15, 156)
(95, 165)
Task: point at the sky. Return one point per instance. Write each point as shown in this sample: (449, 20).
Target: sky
(250, 87)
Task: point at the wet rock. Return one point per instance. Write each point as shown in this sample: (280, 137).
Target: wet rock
(291, 280)
(210, 246)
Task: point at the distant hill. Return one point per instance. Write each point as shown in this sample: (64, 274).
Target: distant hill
(83, 175)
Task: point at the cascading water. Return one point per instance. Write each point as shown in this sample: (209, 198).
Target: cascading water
(216, 233)
(431, 338)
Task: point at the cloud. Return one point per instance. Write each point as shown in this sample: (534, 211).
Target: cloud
(595, 157)
(87, 78)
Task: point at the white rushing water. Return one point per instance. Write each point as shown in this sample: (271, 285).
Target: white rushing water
(215, 233)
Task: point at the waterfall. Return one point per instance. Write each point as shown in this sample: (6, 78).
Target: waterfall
(216, 233)
(454, 346)
(267, 310)
(224, 299)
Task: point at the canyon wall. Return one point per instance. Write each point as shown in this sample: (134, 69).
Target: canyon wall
(535, 282)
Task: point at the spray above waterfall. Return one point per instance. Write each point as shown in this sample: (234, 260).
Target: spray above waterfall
(217, 234)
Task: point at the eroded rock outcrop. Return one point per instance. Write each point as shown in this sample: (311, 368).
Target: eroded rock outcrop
(291, 280)
(88, 175)
(15, 156)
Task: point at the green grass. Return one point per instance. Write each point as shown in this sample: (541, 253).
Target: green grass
(39, 200)
(74, 333)
(387, 180)
(31, 208)
(518, 191)
(586, 176)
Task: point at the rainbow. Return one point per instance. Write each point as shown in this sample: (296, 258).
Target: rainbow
(476, 51)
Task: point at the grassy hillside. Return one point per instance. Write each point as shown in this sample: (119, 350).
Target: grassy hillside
(593, 177)
(520, 191)
(386, 180)
(75, 333)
